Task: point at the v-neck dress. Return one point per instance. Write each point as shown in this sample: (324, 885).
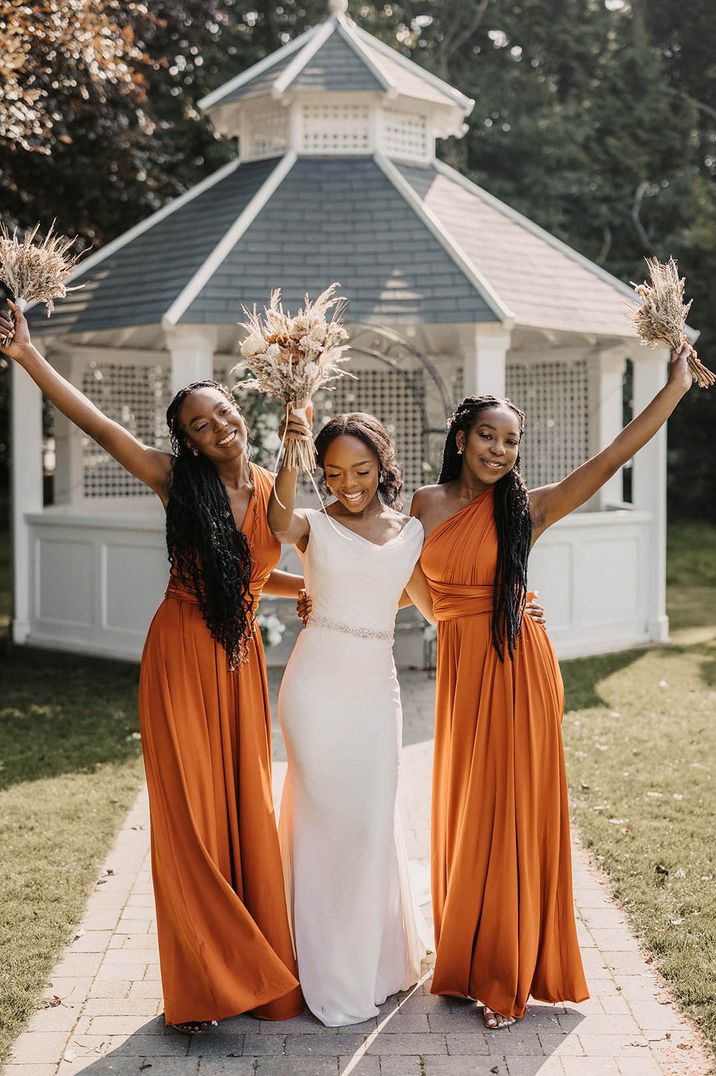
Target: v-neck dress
(224, 940)
(355, 922)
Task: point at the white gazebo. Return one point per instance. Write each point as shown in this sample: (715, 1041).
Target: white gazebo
(452, 291)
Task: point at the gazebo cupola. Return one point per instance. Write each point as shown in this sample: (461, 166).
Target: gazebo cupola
(337, 90)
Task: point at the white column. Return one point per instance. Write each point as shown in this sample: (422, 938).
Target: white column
(191, 350)
(26, 418)
(606, 393)
(484, 368)
(68, 439)
(650, 489)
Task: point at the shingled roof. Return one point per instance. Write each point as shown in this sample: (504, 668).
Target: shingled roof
(336, 56)
(327, 219)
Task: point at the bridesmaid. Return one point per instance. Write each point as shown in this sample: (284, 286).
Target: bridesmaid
(501, 869)
(224, 940)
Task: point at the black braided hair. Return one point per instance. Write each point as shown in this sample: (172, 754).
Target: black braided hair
(372, 432)
(206, 550)
(512, 520)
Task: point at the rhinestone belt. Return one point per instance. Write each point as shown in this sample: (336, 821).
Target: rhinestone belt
(363, 633)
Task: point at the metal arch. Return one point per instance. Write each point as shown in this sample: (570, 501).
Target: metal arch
(397, 341)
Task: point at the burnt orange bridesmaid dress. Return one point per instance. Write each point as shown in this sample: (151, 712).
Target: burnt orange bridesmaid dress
(501, 863)
(224, 940)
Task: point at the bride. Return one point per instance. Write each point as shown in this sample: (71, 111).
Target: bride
(358, 933)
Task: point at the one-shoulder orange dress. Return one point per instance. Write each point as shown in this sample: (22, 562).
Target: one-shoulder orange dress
(500, 859)
(224, 941)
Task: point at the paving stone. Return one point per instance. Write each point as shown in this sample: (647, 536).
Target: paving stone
(463, 1066)
(403, 1066)
(561, 1045)
(29, 1070)
(422, 1044)
(589, 1066)
(466, 1043)
(329, 1044)
(529, 1066)
(263, 1045)
(38, 1048)
(613, 1045)
(54, 1018)
(296, 1066)
(217, 1066)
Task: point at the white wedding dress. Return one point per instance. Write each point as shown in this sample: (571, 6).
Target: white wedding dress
(359, 934)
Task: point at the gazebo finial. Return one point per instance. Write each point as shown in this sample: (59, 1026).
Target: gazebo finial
(337, 7)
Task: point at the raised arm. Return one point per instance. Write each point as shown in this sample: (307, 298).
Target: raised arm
(288, 525)
(550, 503)
(149, 465)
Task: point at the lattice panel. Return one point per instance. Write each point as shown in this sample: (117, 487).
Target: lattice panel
(386, 395)
(136, 397)
(336, 128)
(406, 135)
(555, 398)
(267, 134)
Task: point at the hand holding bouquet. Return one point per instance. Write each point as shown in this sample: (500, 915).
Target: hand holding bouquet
(292, 357)
(661, 318)
(35, 272)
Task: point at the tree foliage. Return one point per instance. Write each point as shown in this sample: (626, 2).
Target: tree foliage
(596, 118)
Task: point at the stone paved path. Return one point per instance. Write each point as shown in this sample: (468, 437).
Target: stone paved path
(106, 1015)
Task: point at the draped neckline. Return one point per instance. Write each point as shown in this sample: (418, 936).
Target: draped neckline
(443, 523)
(375, 545)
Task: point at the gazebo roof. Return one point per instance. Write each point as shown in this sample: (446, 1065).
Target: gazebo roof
(408, 244)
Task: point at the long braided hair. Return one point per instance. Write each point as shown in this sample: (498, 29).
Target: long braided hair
(512, 520)
(207, 551)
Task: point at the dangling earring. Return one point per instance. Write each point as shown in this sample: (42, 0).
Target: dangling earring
(195, 451)
(459, 452)
(381, 478)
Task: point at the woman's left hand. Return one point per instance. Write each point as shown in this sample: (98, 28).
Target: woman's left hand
(679, 369)
(304, 605)
(535, 611)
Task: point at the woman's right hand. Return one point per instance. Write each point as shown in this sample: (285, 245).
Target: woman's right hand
(295, 427)
(16, 322)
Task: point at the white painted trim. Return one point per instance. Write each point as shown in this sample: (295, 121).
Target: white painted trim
(347, 31)
(149, 222)
(483, 287)
(318, 38)
(465, 103)
(252, 72)
(207, 269)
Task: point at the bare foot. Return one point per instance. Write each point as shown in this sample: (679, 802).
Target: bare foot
(494, 1021)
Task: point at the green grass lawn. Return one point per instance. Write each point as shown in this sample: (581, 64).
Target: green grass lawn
(640, 738)
(69, 770)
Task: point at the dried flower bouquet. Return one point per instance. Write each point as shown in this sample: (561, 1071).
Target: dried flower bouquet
(36, 272)
(292, 357)
(661, 317)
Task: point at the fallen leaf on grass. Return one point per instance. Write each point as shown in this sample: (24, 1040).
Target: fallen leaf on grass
(584, 786)
(679, 872)
(661, 869)
(625, 830)
(617, 821)
(676, 922)
(656, 795)
(663, 683)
